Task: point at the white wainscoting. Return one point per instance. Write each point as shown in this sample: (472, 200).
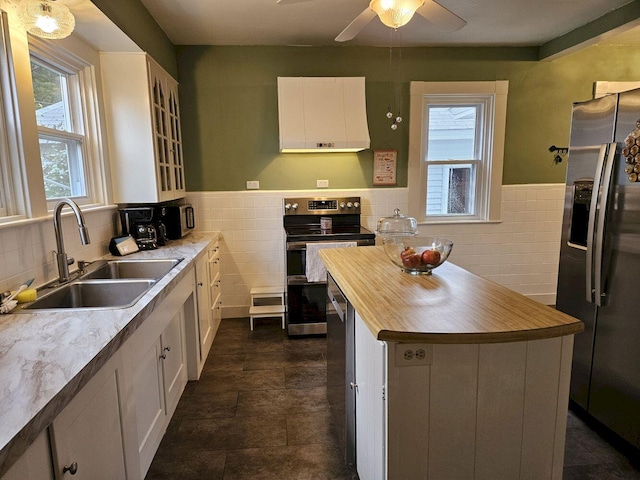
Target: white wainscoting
(521, 252)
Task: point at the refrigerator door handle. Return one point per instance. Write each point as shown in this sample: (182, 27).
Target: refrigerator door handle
(602, 214)
(591, 227)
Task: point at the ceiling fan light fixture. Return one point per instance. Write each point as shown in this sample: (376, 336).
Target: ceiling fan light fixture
(395, 13)
(46, 19)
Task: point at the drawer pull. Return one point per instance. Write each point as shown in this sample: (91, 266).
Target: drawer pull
(73, 469)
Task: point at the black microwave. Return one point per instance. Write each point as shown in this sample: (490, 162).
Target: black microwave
(179, 220)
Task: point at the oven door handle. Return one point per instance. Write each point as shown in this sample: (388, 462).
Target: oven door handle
(302, 246)
(296, 246)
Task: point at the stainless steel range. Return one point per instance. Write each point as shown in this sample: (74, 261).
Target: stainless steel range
(311, 224)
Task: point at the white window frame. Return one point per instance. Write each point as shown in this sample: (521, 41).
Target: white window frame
(489, 174)
(83, 103)
(9, 144)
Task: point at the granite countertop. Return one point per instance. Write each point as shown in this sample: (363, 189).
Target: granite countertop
(47, 357)
(450, 306)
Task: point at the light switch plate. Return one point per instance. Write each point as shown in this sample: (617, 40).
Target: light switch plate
(253, 185)
(322, 183)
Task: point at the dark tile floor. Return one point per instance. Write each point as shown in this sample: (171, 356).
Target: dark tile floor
(589, 456)
(259, 412)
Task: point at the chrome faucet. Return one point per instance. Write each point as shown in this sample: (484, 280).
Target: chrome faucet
(61, 256)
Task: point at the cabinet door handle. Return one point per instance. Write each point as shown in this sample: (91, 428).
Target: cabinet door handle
(200, 284)
(163, 356)
(73, 469)
(167, 349)
(354, 386)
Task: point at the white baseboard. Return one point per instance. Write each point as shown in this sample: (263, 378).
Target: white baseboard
(544, 298)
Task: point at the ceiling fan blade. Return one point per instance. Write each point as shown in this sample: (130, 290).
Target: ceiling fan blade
(356, 26)
(440, 16)
(289, 2)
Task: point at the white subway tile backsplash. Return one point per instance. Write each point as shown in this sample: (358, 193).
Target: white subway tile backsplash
(27, 250)
(520, 252)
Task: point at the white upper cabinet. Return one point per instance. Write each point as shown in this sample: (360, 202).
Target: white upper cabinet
(143, 127)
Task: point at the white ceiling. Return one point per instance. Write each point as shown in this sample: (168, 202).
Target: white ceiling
(318, 22)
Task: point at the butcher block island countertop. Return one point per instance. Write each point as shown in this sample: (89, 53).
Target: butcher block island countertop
(451, 306)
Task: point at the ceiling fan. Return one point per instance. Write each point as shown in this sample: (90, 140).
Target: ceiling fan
(395, 14)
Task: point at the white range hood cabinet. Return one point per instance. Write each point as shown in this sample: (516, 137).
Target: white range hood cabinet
(322, 114)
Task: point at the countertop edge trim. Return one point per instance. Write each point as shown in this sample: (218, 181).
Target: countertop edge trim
(478, 338)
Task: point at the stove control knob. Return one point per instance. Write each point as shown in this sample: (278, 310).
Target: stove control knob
(287, 206)
(294, 206)
(349, 204)
(342, 205)
(356, 204)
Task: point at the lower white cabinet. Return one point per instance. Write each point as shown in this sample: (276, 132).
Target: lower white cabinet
(157, 361)
(371, 412)
(160, 375)
(173, 362)
(35, 463)
(87, 436)
(215, 302)
(202, 330)
(149, 403)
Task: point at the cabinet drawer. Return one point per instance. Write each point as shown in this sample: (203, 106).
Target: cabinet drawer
(214, 263)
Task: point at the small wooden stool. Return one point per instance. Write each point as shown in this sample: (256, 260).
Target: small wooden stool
(266, 302)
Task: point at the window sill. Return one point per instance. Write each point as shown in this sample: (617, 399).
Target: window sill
(456, 222)
(90, 207)
(20, 220)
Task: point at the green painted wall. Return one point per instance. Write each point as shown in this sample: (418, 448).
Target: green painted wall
(229, 112)
(135, 20)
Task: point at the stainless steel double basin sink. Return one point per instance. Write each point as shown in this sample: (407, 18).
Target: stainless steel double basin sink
(106, 284)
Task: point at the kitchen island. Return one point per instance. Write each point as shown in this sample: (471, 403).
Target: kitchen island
(48, 358)
(455, 376)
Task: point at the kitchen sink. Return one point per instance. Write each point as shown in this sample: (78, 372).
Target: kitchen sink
(93, 295)
(130, 269)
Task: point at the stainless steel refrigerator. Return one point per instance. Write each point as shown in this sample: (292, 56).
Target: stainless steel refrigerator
(599, 272)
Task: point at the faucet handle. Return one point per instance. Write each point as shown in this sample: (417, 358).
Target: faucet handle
(70, 260)
(82, 264)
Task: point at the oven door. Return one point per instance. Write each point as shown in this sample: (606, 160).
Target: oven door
(306, 301)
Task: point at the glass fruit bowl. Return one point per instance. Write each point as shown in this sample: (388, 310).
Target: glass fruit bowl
(417, 255)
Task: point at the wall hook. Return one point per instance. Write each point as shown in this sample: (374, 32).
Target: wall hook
(559, 153)
(560, 150)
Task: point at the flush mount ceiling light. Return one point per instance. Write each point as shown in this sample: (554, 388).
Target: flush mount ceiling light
(46, 19)
(395, 13)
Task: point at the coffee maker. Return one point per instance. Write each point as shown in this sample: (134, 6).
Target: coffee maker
(139, 223)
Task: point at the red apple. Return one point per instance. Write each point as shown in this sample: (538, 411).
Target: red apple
(430, 257)
(407, 252)
(411, 261)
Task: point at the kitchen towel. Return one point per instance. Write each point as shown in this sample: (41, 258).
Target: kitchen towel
(315, 269)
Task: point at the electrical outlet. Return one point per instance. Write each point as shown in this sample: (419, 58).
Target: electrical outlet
(253, 185)
(413, 354)
(322, 183)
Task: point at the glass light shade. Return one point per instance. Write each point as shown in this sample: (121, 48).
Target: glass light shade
(46, 19)
(395, 13)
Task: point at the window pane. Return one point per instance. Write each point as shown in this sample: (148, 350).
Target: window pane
(61, 167)
(50, 92)
(452, 132)
(451, 189)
